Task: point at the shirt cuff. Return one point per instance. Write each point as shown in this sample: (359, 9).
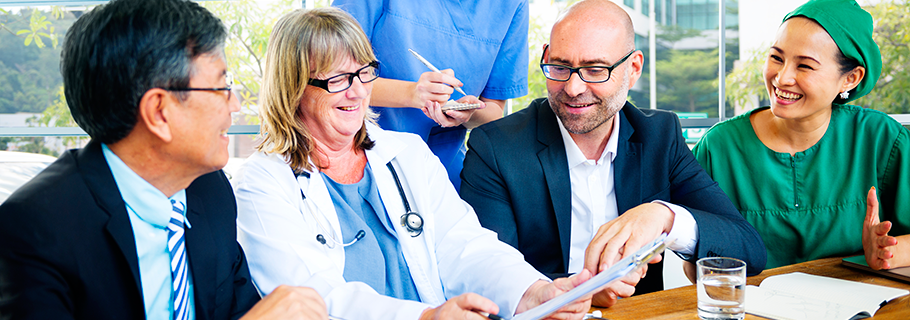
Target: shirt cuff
(684, 232)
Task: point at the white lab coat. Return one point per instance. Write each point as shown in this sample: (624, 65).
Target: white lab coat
(453, 255)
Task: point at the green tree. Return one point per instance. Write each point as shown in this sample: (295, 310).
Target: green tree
(687, 81)
(249, 24)
(29, 58)
(892, 33)
(745, 83)
(537, 84)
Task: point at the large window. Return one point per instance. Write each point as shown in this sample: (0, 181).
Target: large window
(33, 112)
(683, 75)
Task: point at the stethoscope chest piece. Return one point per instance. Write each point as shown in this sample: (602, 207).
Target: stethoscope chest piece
(413, 222)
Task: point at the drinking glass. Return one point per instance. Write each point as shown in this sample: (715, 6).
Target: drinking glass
(721, 288)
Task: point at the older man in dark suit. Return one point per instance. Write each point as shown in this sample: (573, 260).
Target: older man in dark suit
(584, 178)
(141, 222)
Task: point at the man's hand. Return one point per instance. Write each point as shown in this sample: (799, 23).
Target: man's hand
(451, 118)
(542, 291)
(287, 302)
(626, 234)
(465, 306)
(624, 288)
(877, 244)
(433, 87)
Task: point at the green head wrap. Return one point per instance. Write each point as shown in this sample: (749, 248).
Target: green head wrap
(851, 28)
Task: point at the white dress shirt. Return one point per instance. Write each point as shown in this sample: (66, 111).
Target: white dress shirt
(594, 200)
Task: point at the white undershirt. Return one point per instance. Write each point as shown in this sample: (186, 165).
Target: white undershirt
(590, 181)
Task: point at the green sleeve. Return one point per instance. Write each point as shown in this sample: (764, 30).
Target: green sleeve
(702, 155)
(895, 185)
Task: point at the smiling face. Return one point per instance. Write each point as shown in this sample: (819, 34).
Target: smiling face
(802, 73)
(204, 117)
(584, 38)
(334, 118)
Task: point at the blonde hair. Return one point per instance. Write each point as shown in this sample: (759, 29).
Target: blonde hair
(304, 43)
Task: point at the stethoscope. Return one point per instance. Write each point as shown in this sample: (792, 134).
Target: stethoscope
(411, 220)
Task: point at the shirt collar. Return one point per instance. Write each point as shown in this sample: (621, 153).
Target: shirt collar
(149, 203)
(576, 157)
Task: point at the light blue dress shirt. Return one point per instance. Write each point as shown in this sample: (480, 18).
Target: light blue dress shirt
(149, 211)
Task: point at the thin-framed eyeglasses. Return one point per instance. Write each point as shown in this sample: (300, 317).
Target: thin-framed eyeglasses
(228, 81)
(344, 81)
(589, 74)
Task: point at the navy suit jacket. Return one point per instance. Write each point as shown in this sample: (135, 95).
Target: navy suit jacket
(67, 249)
(516, 176)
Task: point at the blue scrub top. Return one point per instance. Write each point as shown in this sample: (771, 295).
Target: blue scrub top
(376, 259)
(484, 41)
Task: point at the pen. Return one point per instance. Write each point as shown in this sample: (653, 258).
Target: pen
(430, 65)
(491, 316)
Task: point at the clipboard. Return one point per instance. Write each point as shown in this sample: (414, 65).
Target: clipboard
(618, 270)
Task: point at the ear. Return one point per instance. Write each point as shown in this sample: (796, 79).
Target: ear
(153, 112)
(543, 52)
(636, 62)
(853, 78)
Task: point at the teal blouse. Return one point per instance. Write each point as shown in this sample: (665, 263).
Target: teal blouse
(812, 205)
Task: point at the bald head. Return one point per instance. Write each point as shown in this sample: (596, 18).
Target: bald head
(597, 14)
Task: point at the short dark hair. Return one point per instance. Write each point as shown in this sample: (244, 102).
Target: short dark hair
(846, 64)
(117, 52)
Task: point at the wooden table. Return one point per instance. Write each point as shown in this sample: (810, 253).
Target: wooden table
(680, 303)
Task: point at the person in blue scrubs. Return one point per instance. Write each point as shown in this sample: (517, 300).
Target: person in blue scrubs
(481, 44)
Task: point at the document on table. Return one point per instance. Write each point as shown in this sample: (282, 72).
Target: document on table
(618, 270)
(803, 296)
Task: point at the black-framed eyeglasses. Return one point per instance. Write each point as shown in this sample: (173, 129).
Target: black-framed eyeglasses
(344, 81)
(589, 74)
(228, 81)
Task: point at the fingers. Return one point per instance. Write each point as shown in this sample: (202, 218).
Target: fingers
(882, 229)
(578, 308)
(872, 207)
(287, 302)
(448, 77)
(475, 302)
(437, 86)
(451, 118)
(597, 248)
(578, 279)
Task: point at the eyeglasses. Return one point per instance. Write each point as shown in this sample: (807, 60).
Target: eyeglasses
(228, 80)
(337, 83)
(589, 74)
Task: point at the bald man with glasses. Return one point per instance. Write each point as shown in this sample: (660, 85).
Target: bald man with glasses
(582, 178)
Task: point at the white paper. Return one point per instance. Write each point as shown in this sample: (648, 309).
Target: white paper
(802, 296)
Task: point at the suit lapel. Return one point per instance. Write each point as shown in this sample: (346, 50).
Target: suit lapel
(98, 177)
(627, 170)
(199, 246)
(556, 172)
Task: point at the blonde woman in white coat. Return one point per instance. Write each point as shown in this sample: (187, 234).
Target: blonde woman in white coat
(366, 217)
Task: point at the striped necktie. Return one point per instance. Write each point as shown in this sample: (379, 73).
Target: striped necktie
(177, 250)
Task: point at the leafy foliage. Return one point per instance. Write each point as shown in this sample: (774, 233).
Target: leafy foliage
(537, 84)
(687, 81)
(249, 24)
(892, 33)
(29, 75)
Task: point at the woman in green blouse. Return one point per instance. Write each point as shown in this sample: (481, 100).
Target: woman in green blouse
(811, 173)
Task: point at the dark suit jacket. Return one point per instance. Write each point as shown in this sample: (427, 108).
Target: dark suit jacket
(516, 176)
(67, 248)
